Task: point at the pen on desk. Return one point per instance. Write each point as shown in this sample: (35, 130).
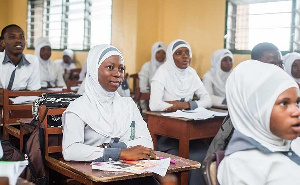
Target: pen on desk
(157, 158)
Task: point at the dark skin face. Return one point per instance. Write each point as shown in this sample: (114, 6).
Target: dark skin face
(111, 73)
(272, 57)
(226, 64)
(67, 59)
(160, 55)
(284, 121)
(14, 43)
(45, 52)
(182, 57)
(296, 69)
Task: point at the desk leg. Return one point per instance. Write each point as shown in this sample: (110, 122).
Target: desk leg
(184, 146)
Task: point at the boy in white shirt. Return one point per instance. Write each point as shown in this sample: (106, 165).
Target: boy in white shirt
(18, 71)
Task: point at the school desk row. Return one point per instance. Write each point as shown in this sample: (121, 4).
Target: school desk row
(180, 128)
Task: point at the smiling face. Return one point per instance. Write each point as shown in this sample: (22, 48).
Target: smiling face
(14, 41)
(182, 57)
(111, 73)
(45, 52)
(284, 121)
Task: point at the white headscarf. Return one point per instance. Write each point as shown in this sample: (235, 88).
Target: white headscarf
(69, 53)
(251, 91)
(178, 82)
(216, 74)
(288, 61)
(48, 70)
(103, 111)
(154, 63)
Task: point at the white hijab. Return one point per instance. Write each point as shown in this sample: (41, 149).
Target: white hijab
(154, 63)
(288, 61)
(103, 111)
(216, 74)
(69, 53)
(48, 71)
(251, 90)
(178, 82)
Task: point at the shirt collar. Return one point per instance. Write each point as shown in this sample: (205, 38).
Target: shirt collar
(23, 61)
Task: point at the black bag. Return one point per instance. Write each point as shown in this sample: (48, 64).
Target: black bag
(58, 100)
(33, 151)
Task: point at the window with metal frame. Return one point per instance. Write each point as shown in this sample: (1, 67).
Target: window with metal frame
(72, 24)
(249, 22)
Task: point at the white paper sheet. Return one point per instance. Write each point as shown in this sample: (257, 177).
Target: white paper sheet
(58, 89)
(159, 167)
(12, 170)
(196, 114)
(24, 99)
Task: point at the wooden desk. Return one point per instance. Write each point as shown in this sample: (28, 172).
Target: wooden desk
(82, 171)
(182, 129)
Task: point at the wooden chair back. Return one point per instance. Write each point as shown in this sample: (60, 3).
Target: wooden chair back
(74, 74)
(53, 135)
(210, 167)
(13, 113)
(135, 82)
(70, 84)
(138, 96)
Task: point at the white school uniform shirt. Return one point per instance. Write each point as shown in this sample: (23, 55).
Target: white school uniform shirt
(149, 68)
(64, 66)
(171, 83)
(98, 115)
(214, 80)
(250, 103)
(27, 75)
(50, 72)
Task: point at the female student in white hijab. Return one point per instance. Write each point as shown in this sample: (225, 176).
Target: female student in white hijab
(158, 57)
(214, 80)
(291, 62)
(50, 73)
(101, 125)
(263, 102)
(172, 88)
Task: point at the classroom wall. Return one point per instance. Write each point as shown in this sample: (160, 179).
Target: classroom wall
(137, 24)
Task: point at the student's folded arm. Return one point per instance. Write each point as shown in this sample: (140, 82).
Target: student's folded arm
(73, 139)
(157, 92)
(204, 98)
(142, 134)
(34, 82)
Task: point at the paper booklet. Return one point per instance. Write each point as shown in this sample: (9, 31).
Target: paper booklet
(159, 167)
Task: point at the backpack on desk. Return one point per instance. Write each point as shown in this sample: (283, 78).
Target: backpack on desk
(33, 152)
(57, 100)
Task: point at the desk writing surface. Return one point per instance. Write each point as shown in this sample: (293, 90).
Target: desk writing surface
(85, 169)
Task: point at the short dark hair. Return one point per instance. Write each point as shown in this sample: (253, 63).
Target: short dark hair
(260, 48)
(4, 30)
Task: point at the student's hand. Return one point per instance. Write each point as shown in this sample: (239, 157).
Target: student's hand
(177, 105)
(137, 153)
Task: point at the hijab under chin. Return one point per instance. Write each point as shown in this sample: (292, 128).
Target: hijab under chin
(178, 82)
(98, 108)
(251, 91)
